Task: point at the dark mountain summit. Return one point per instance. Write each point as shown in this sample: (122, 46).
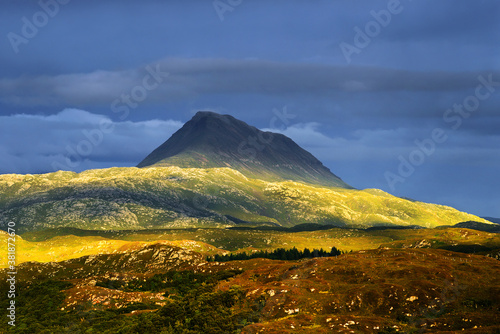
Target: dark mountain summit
(213, 140)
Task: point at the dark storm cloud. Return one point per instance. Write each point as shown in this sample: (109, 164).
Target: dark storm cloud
(460, 23)
(358, 118)
(222, 76)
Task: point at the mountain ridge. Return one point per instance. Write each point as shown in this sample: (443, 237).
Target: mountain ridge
(174, 197)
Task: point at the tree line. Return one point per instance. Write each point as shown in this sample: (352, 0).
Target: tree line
(277, 254)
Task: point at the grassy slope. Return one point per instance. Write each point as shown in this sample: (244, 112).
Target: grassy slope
(133, 198)
(64, 244)
(65, 247)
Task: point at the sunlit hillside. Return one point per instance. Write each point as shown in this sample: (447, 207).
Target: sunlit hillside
(173, 197)
(67, 243)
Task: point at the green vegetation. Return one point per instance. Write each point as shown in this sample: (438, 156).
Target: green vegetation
(297, 228)
(368, 291)
(468, 249)
(37, 307)
(277, 254)
(197, 308)
(177, 282)
(173, 197)
(492, 228)
(69, 243)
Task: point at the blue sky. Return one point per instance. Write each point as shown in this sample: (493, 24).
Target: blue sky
(398, 95)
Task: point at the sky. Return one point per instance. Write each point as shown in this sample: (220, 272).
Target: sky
(402, 96)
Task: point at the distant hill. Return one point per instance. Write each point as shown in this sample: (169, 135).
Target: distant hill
(493, 220)
(174, 197)
(211, 140)
(492, 228)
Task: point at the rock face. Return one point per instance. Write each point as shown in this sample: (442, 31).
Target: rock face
(212, 140)
(149, 259)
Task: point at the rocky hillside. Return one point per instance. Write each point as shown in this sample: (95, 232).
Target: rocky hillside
(149, 259)
(377, 291)
(173, 197)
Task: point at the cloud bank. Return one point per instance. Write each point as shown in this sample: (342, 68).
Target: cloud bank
(77, 140)
(193, 77)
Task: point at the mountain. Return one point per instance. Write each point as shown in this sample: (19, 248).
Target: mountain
(493, 220)
(211, 140)
(182, 185)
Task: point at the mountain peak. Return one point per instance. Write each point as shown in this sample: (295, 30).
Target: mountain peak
(211, 114)
(212, 140)
(210, 117)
